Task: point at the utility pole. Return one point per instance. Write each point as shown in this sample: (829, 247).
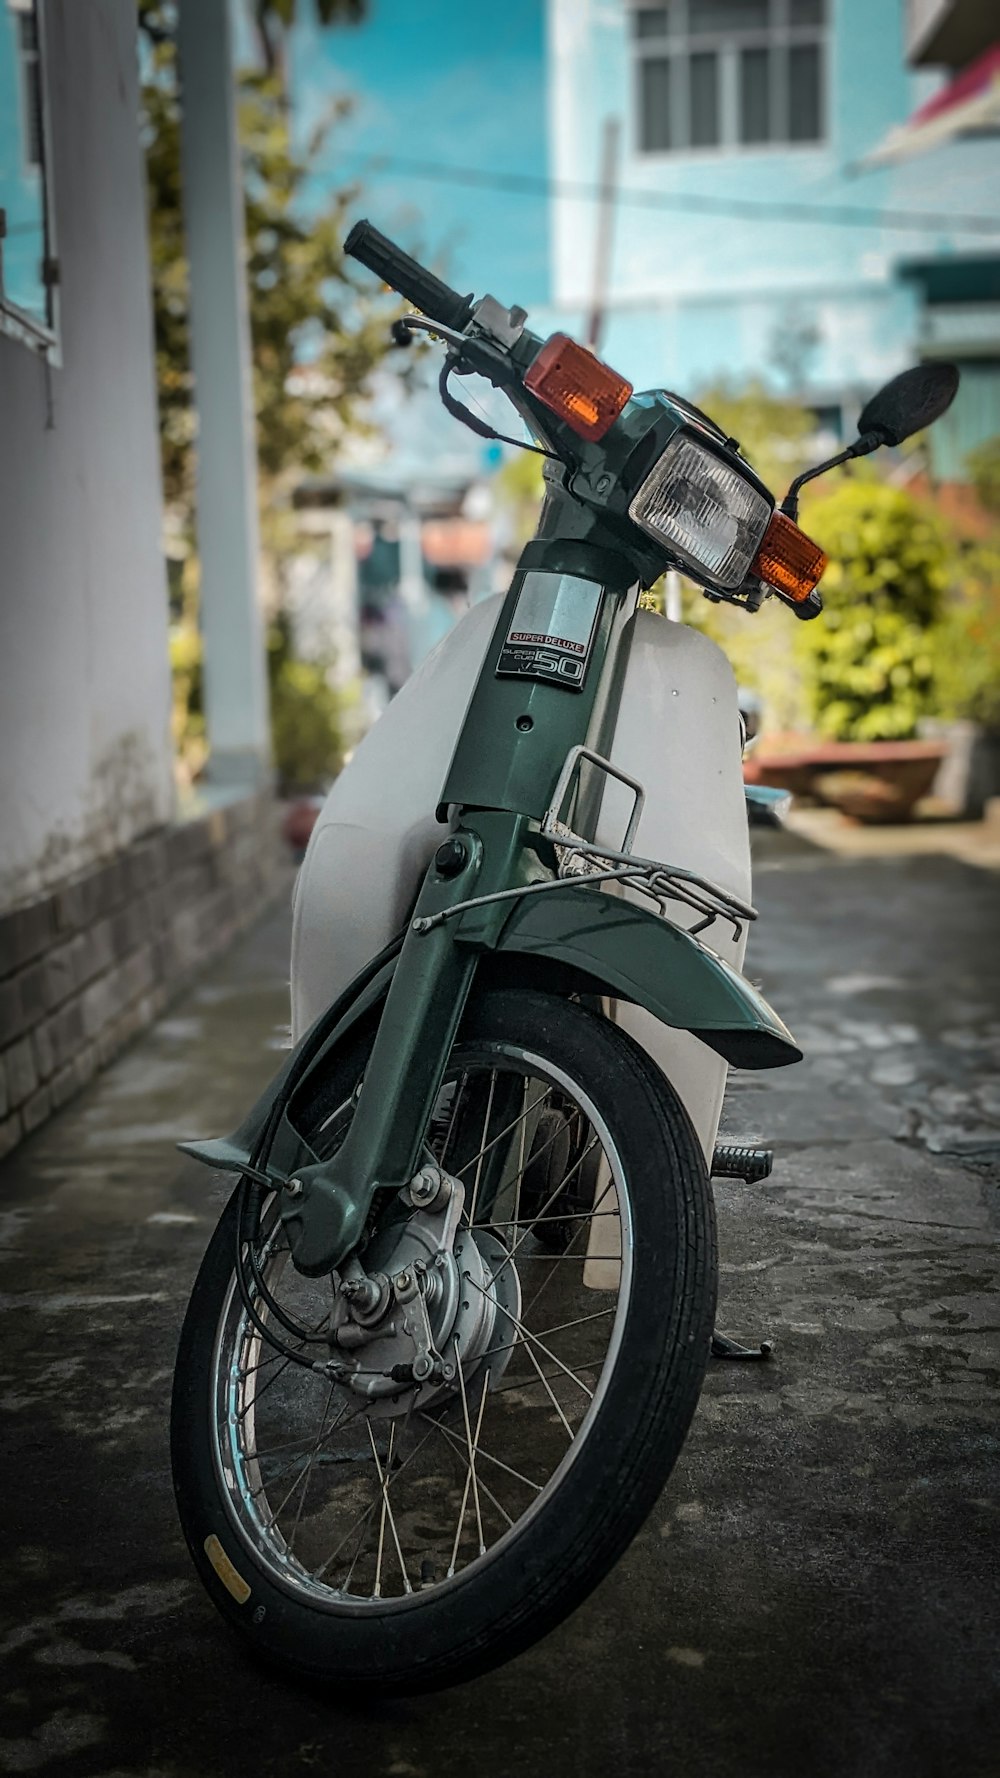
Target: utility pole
(604, 231)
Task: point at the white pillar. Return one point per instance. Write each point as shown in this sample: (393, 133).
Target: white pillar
(235, 683)
(413, 588)
(345, 639)
(412, 585)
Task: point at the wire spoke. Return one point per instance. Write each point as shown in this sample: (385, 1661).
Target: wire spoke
(482, 1151)
(457, 1445)
(307, 1468)
(427, 1488)
(526, 1335)
(265, 1386)
(387, 1508)
(533, 1222)
(569, 1254)
(366, 1513)
(521, 1119)
(272, 1358)
(550, 1200)
(262, 1456)
(471, 1476)
(550, 1392)
(488, 1457)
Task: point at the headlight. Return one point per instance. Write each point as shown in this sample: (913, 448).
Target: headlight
(707, 514)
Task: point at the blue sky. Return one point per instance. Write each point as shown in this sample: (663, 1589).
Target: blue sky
(447, 81)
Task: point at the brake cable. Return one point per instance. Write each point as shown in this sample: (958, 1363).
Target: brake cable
(459, 411)
(289, 1353)
(252, 1203)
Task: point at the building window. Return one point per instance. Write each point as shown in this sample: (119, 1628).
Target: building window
(31, 87)
(729, 74)
(28, 267)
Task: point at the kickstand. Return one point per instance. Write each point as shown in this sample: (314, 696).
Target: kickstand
(723, 1347)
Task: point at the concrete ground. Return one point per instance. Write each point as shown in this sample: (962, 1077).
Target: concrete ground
(816, 1592)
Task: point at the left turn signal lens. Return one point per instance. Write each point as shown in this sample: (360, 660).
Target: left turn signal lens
(585, 393)
(788, 560)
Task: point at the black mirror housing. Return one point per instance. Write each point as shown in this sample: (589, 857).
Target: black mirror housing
(911, 401)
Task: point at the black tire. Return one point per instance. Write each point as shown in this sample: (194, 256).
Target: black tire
(544, 1567)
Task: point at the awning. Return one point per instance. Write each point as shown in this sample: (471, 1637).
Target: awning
(969, 102)
(456, 543)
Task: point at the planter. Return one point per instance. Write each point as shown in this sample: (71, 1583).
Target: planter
(970, 776)
(874, 781)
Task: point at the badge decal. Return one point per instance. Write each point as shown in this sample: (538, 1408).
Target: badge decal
(552, 630)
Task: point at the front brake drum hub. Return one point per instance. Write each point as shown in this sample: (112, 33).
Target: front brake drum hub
(462, 1280)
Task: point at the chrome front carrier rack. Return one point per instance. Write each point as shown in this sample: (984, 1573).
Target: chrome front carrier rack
(591, 864)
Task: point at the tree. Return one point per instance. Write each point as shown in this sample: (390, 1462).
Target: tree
(274, 18)
(316, 338)
(773, 433)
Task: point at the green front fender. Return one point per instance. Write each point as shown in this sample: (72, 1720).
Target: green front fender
(594, 943)
(631, 953)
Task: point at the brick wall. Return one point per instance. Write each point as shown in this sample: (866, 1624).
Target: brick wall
(86, 967)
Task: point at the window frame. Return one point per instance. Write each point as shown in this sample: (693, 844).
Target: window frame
(42, 337)
(727, 45)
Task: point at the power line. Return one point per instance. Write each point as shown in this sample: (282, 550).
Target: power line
(539, 185)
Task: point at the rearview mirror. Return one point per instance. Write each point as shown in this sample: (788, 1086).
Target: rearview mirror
(913, 400)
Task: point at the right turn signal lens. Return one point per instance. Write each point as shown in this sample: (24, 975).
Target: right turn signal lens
(788, 560)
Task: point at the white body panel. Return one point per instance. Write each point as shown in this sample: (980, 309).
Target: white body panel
(678, 731)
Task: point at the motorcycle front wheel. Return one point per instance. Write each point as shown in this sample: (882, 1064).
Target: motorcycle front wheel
(411, 1539)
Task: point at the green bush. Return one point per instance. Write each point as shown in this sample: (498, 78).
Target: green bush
(869, 661)
(312, 721)
(968, 642)
(187, 713)
(307, 717)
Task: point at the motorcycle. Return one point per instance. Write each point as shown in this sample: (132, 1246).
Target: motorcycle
(450, 1332)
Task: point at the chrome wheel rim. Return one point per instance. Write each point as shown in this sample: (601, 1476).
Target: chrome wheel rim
(351, 1512)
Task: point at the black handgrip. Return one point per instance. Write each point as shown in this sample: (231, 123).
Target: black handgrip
(427, 293)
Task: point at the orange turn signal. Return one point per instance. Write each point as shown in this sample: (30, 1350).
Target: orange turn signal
(788, 560)
(585, 393)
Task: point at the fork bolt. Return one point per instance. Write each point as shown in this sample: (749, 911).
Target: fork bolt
(450, 858)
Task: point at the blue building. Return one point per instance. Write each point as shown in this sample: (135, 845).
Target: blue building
(754, 236)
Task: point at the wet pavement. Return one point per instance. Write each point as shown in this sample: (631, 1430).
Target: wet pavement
(816, 1592)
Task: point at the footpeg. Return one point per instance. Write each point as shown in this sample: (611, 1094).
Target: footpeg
(748, 1164)
(724, 1347)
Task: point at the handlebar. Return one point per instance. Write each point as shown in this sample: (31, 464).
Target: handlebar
(427, 293)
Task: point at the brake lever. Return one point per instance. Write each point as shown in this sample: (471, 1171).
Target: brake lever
(414, 323)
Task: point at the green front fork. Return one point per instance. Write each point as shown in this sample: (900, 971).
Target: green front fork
(326, 1216)
(511, 749)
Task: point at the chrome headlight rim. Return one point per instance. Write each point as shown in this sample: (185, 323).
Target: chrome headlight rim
(757, 497)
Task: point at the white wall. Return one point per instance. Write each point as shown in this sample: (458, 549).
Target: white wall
(84, 685)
